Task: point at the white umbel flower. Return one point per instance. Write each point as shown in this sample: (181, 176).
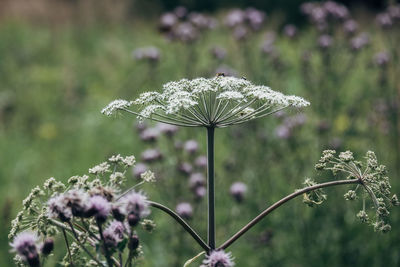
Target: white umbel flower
(216, 102)
(115, 105)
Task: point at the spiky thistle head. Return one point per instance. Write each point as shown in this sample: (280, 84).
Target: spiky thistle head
(215, 102)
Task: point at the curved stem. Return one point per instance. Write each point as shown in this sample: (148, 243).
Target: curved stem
(211, 187)
(252, 223)
(68, 249)
(177, 218)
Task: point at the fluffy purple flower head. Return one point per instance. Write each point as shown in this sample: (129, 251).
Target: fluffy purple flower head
(25, 245)
(196, 179)
(150, 134)
(191, 146)
(360, 41)
(350, 26)
(384, 20)
(185, 168)
(167, 22)
(57, 208)
(114, 233)
(135, 203)
(201, 162)
(255, 18)
(167, 129)
(283, 131)
(218, 52)
(180, 11)
(139, 169)
(99, 207)
(234, 17)
(150, 53)
(325, 41)
(184, 210)
(381, 58)
(151, 155)
(290, 30)
(218, 258)
(238, 190)
(186, 32)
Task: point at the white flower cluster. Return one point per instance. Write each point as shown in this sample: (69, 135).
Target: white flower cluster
(118, 104)
(218, 102)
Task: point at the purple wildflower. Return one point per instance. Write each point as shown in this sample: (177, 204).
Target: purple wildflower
(350, 26)
(167, 129)
(150, 53)
(200, 192)
(167, 22)
(150, 134)
(57, 208)
(201, 162)
(290, 30)
(139, 169)
(196, 179)
(219, 258)
(185, 168)
(186, 32)
(384, 20)
(180, 11)
(25, 245)
(238, 190)
(47, 246)
(381, 58)
(191, 146)
(136, 203)
(359, 41)
(218, 52)
(114, 234)
(325, 41)
(240, 33)
(99, 207)
(283, 131)
(184, 210)
(151, 155)
(255, 18)
(234, 17)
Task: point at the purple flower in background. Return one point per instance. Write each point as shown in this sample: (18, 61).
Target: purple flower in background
(151, 155)
(238, 191)
(394, 11)
(325, 41)
(25, 245)
(255, 18)
(290, 30)
(185, 168)
(200, 192)
(359, 41)
(167, 129)
(268, 46)
(151, 54)
(381, 58)
(141, 126)
(150, 134)
(180, 11)
(234, 18)
(184, 210)
(240, 33)
(350, 26)
(384, 20)
(98, 207)
(167, 22)
(202, 21)
(186, 32)
(191, 146)
(139, 169)
(218, 258)
(201, 162)
(196, 179)
(283, 132)
(218, 52)
(135, 203)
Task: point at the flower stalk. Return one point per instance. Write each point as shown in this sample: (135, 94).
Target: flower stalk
(211, 187)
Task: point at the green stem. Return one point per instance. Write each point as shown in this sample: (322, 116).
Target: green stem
(68, 249)
(211, 187)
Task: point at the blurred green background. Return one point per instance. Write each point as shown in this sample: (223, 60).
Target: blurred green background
(61, 62)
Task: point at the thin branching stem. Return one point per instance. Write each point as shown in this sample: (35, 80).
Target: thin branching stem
(277, 204)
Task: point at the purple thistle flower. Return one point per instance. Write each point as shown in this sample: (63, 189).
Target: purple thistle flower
(191, 146)
(139, 169)
(180, 11)
(201, 162)
(394, 11)
(381, 58)
(151, 155)
(384, 20)
(200, 192)
(167, 129)
(240, 33)
(218, 258)
(135, 203)
(238, 190)
(290, 30)
(283, 131)
(186, 32)
(185, 168)
(360, 41)
(196, 179)
(47, 246)
(76, 200)
(350, 26)
(255, 18)
(98, 207)
(113, 234)
(25, 245)
(234, 17)
(325, 41)
(184, 210)
(218, 52)
(150, 134)
(57, 208)
(167, 22)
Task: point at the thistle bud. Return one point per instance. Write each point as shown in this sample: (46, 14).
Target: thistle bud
(48, 246)
(133, 243)
(133, 219)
